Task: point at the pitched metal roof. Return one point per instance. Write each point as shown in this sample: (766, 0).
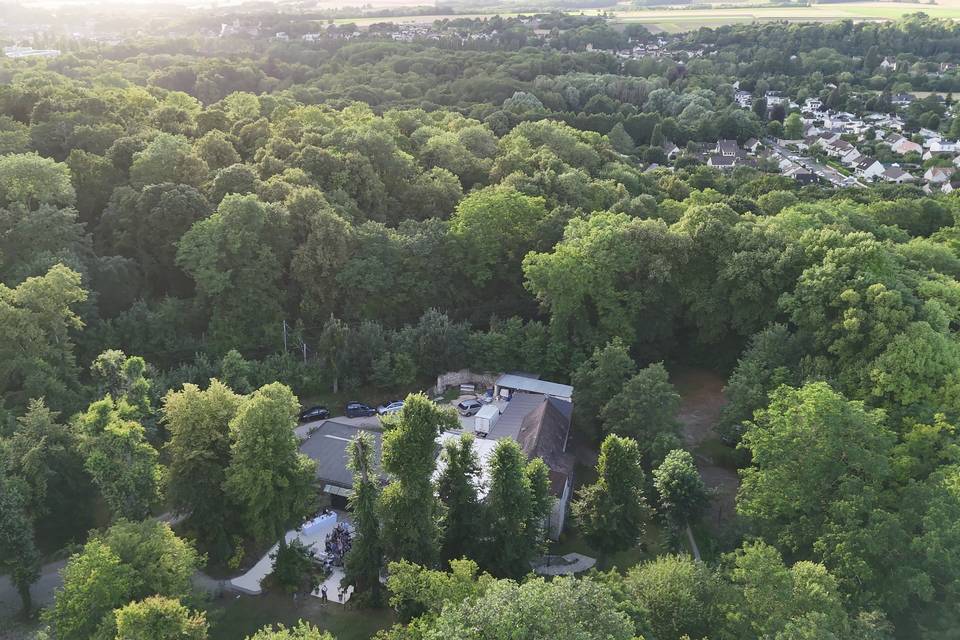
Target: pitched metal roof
(533, 385)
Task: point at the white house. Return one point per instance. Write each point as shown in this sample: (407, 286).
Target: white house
(938, 145)
(901, 145)
(897, 175)
(938, 175)
(671, 150)
(851, 157)
(868, 168)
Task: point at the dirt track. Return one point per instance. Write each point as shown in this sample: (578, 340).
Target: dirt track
(701, 393)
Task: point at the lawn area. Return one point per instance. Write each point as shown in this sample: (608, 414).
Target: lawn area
(652, 544)
(839, 167)
(236, 617)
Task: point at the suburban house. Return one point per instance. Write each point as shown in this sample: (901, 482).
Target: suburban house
(670, 150)
(897, 175)
(728, 148)
(938, 146)
(801, 174)
(721, 162)
(851, 157)
(868, 168)
(775, 98)
(902, 99)
(901, 145)
(938, 175)
(888, 64)
(838, 148)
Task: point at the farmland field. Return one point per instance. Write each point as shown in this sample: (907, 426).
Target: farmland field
(675, 20)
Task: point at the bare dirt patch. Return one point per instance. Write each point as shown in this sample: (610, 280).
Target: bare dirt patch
(701, 399)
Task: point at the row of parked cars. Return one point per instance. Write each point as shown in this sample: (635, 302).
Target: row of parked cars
(360, 410)
(351, 410)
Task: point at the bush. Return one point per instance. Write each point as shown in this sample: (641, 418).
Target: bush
(293, 569)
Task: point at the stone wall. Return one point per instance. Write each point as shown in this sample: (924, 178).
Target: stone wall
(464, 376)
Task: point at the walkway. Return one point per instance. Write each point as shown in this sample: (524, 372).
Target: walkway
(249, 582)
(566, 565)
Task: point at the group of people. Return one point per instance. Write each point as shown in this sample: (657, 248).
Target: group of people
(338, 543)
(323, 594)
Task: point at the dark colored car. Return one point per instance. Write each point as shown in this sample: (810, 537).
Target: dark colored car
(359, 410)
(314, 413)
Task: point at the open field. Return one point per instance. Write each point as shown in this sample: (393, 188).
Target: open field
(675, 20)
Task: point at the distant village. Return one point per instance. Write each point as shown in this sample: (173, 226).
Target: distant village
(832, 147)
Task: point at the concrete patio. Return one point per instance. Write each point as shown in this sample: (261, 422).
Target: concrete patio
(249, 582)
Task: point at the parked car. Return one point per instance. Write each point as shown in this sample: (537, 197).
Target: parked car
(314, 413)
(390, 407)
(359, 410)
(469, 407)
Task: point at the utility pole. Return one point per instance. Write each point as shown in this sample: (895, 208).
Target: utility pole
(304, 353)
(284, 336)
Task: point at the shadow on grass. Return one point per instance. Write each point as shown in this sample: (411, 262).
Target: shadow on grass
(236, 617)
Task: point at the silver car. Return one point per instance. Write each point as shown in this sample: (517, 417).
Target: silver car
(469, 407)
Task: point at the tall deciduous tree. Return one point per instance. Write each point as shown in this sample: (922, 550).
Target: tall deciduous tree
(300, 631)
(365, 558)
(611, 275)
(809, 447)
(772, 596)
(118, 457)
(268, 477)
(516, 509)
(130, 561)
(159, 618)
(457, 490)
(409, 506)
(496, 226)
(32, 180)
(683, 496)
(18, 553)
(597, 380)
(44, 456)
(168, 158)
(199, 452)
(234, 257)
(562, 608)
(793, 127)
(645, 408)
(673, 597)
(332, 349)
(36, 344)
(611, 512)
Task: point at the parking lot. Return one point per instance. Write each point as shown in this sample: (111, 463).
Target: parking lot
(303, 430)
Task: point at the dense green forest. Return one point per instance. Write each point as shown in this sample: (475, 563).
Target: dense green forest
(195, 234)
